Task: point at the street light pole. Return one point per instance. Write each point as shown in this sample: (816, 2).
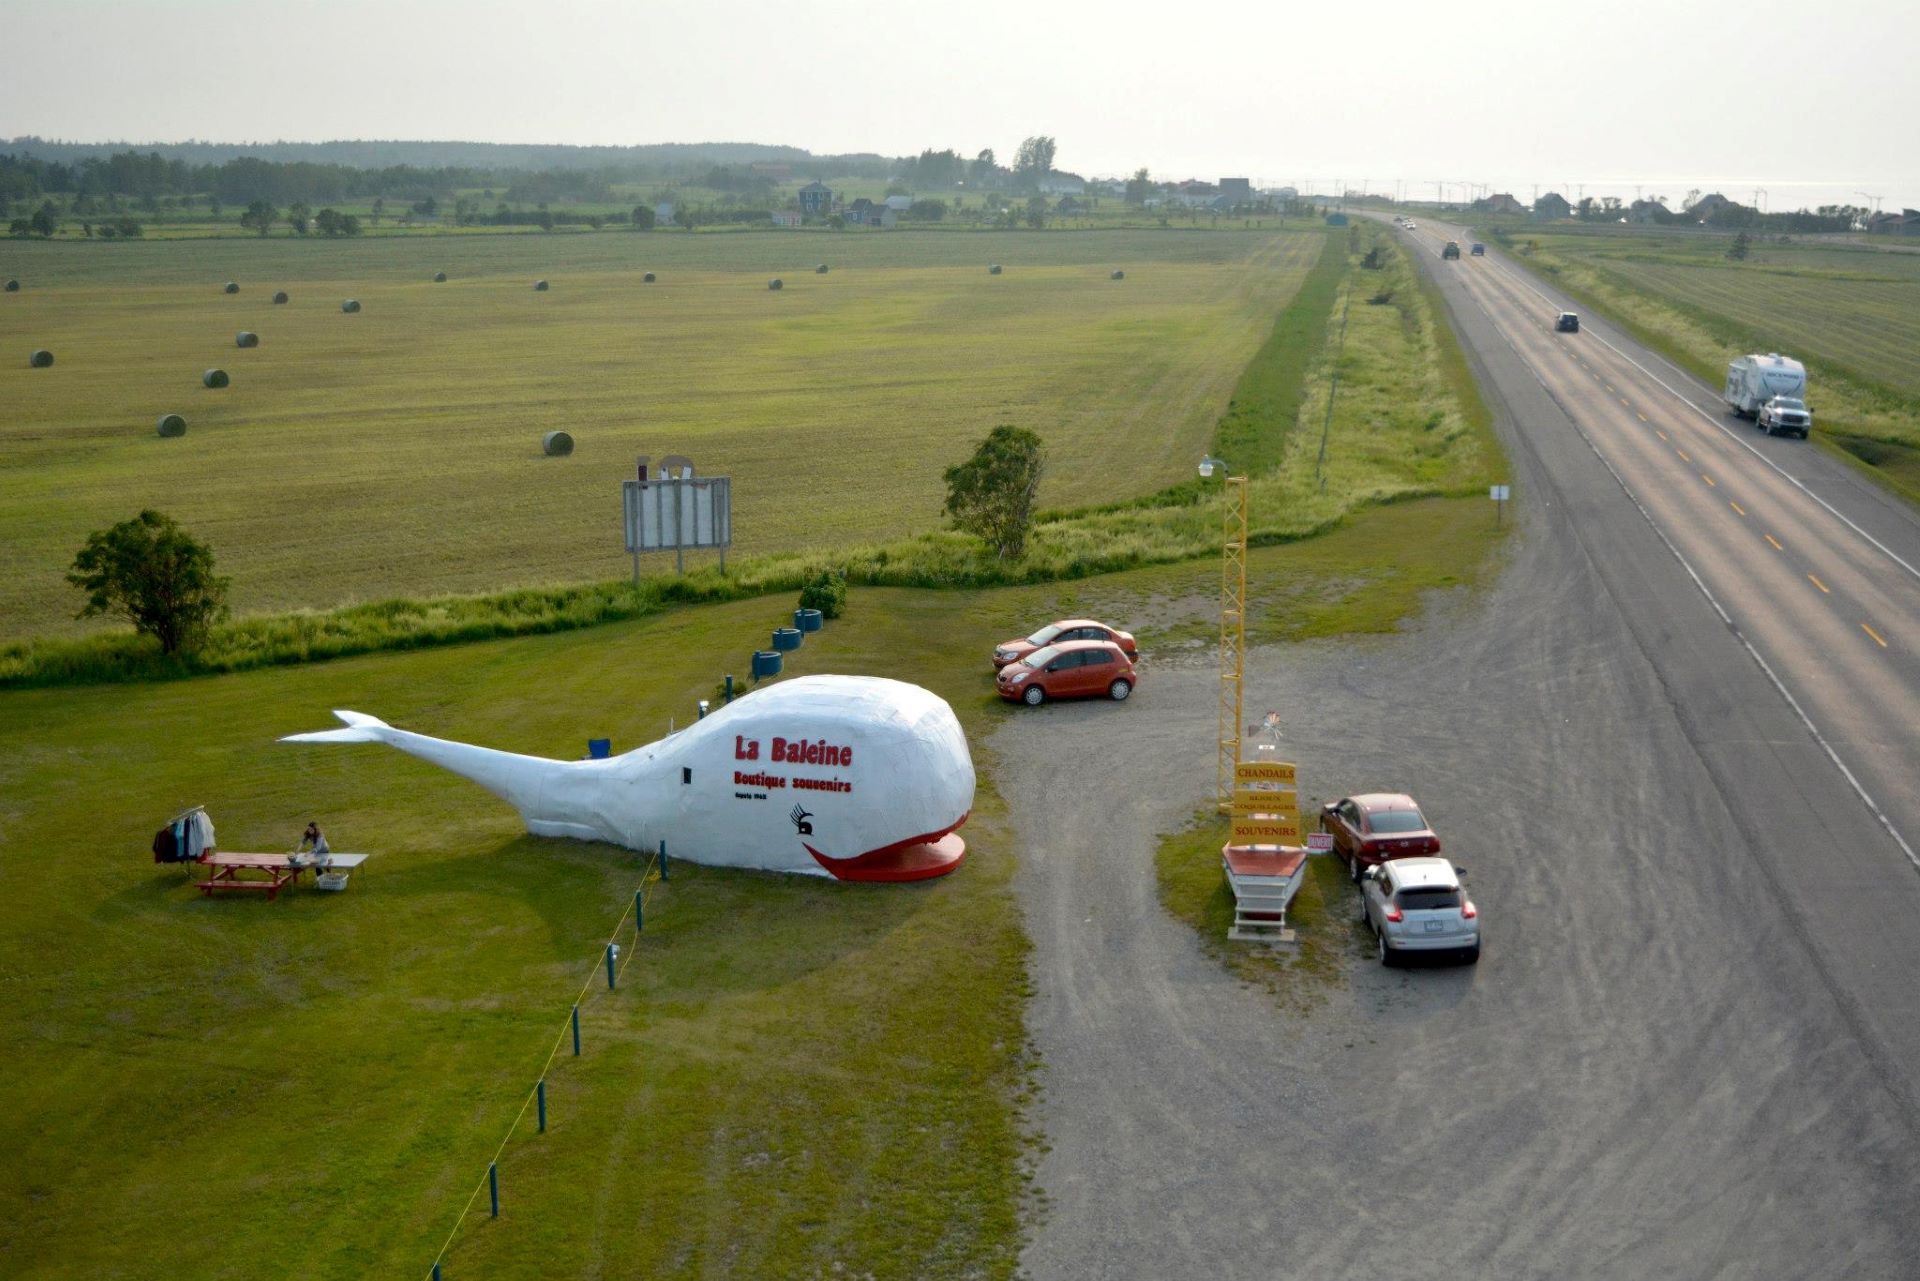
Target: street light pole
(1233, 627)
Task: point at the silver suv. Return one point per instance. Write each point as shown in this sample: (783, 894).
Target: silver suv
(1419, 905)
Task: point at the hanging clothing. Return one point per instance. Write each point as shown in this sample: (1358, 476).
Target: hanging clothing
(165, 849)
(200, 837)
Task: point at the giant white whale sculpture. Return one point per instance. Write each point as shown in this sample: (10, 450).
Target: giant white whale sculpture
(855, 777)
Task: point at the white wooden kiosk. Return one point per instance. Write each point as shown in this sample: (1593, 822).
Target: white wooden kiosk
(1264, 879)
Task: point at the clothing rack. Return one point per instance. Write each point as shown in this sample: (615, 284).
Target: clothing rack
(183, 813)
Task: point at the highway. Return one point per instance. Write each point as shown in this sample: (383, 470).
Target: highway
(1674, 747)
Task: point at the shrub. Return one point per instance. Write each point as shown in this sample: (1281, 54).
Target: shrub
(826, 591)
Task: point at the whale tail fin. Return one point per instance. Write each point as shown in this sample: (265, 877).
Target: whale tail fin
(361, 728)
(546, 792)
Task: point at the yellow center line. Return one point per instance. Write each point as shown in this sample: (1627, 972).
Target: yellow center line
(1662, 435)
(1878, 639)
(1626, 402)
(1606, 384)
(1683, 455)
(1708, 479)
(1637, 414)
(1737, 507)
(1817, 583)
(1776, 543)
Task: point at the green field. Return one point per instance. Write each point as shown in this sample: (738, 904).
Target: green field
(1848, 307)
(397, 451)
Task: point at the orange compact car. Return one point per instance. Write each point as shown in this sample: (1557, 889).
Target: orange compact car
(1067, 629)
(1070, 669)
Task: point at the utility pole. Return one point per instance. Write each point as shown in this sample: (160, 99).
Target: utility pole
(1876, 199)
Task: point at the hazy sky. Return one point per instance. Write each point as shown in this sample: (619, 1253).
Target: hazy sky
(1670, 93)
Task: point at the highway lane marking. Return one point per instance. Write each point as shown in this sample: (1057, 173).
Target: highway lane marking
(1708, 479)
(1737, 507)
(1637, 414)
(1722, 428)
(1683, 455)
(1876, 635)
(1629, 405)
(1662, 435)
(1776, 543)
(1817, 583)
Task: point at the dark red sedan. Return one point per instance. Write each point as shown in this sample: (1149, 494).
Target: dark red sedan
(1368, 830)
(1067, 629)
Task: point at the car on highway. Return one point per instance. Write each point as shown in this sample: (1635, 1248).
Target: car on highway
(1479, 250)
(1374, 827)
(1452, 250)
(1070, 669)
(1419, 906)
(1067, 629)
(1785, 416)
(1567, 322)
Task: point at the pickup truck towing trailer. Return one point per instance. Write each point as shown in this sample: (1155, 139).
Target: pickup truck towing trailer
(1754, 380)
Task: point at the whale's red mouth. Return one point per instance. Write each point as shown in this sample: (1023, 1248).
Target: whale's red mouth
(918, 858)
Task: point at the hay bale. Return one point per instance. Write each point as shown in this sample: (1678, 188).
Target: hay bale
(821, 270)
(40, 359)
(13, 286)
(350, 306)
(556, 444)
(280, 297)
(647, 279)
(232, 288)
(439, 277)
(539, 286)
(776, 283)
(1118, 275)
(246, 338)
(214, 378)
(993, 269)
(172, 425)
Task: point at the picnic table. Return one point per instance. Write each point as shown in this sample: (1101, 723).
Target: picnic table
(282, 870)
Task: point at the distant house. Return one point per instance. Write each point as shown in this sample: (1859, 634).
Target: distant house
(816, 200)
(1904, 223)
(787, 218)
(1238, 191)
(663, 213)
(899, 204)
(1552, 205)
(1057, 183)
(1504, 204)
(1070, 205)
(865, 213)
(1649, 213)
(1708, 206)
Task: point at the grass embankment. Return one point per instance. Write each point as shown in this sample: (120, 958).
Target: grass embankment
(1850, 311)
(396, 452)
(795, 1077)
(1401, 429)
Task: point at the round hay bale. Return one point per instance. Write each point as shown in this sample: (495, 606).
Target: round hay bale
(350, 306)
(279, 297)
(172, 425)
(993, 269)
(13, 286)
(439, 277)
(539, 286)
(1118, 275)
(232, 288)
(821, 270)
(246, 338)
(40, 359)
(647, 279)
(556, 444)
(776, 283)
(214, 378)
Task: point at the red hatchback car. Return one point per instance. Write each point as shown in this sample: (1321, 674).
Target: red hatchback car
(1067, 629)
(1368, 830)
(1071, 669)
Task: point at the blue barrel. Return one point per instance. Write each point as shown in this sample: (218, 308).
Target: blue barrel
(807, 620)
(598, 749)
(766, 662)
(787, 639)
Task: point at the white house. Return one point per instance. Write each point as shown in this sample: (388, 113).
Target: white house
(899, 204)
(1057, 183)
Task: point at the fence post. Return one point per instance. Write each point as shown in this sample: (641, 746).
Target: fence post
(493, 1186)
(541, 1089)
(729, 687)
(436, 1270)
(639, 911)
(613, 950)
(663, 858)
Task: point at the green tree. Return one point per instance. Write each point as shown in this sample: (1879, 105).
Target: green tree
(298, 217)
(1139, 187)
(1741, 247)
(1036, 212)
(379, 207)
(327, 222)
(991, 494)
(42, 221)
(155, 575)
(259, 217)
(1034, 160)
(643, 217)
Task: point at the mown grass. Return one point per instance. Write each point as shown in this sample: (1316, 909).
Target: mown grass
(795, 1078)
(1850, 311)
(397, 452)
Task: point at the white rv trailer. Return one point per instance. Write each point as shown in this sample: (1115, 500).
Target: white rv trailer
(1754, 380)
